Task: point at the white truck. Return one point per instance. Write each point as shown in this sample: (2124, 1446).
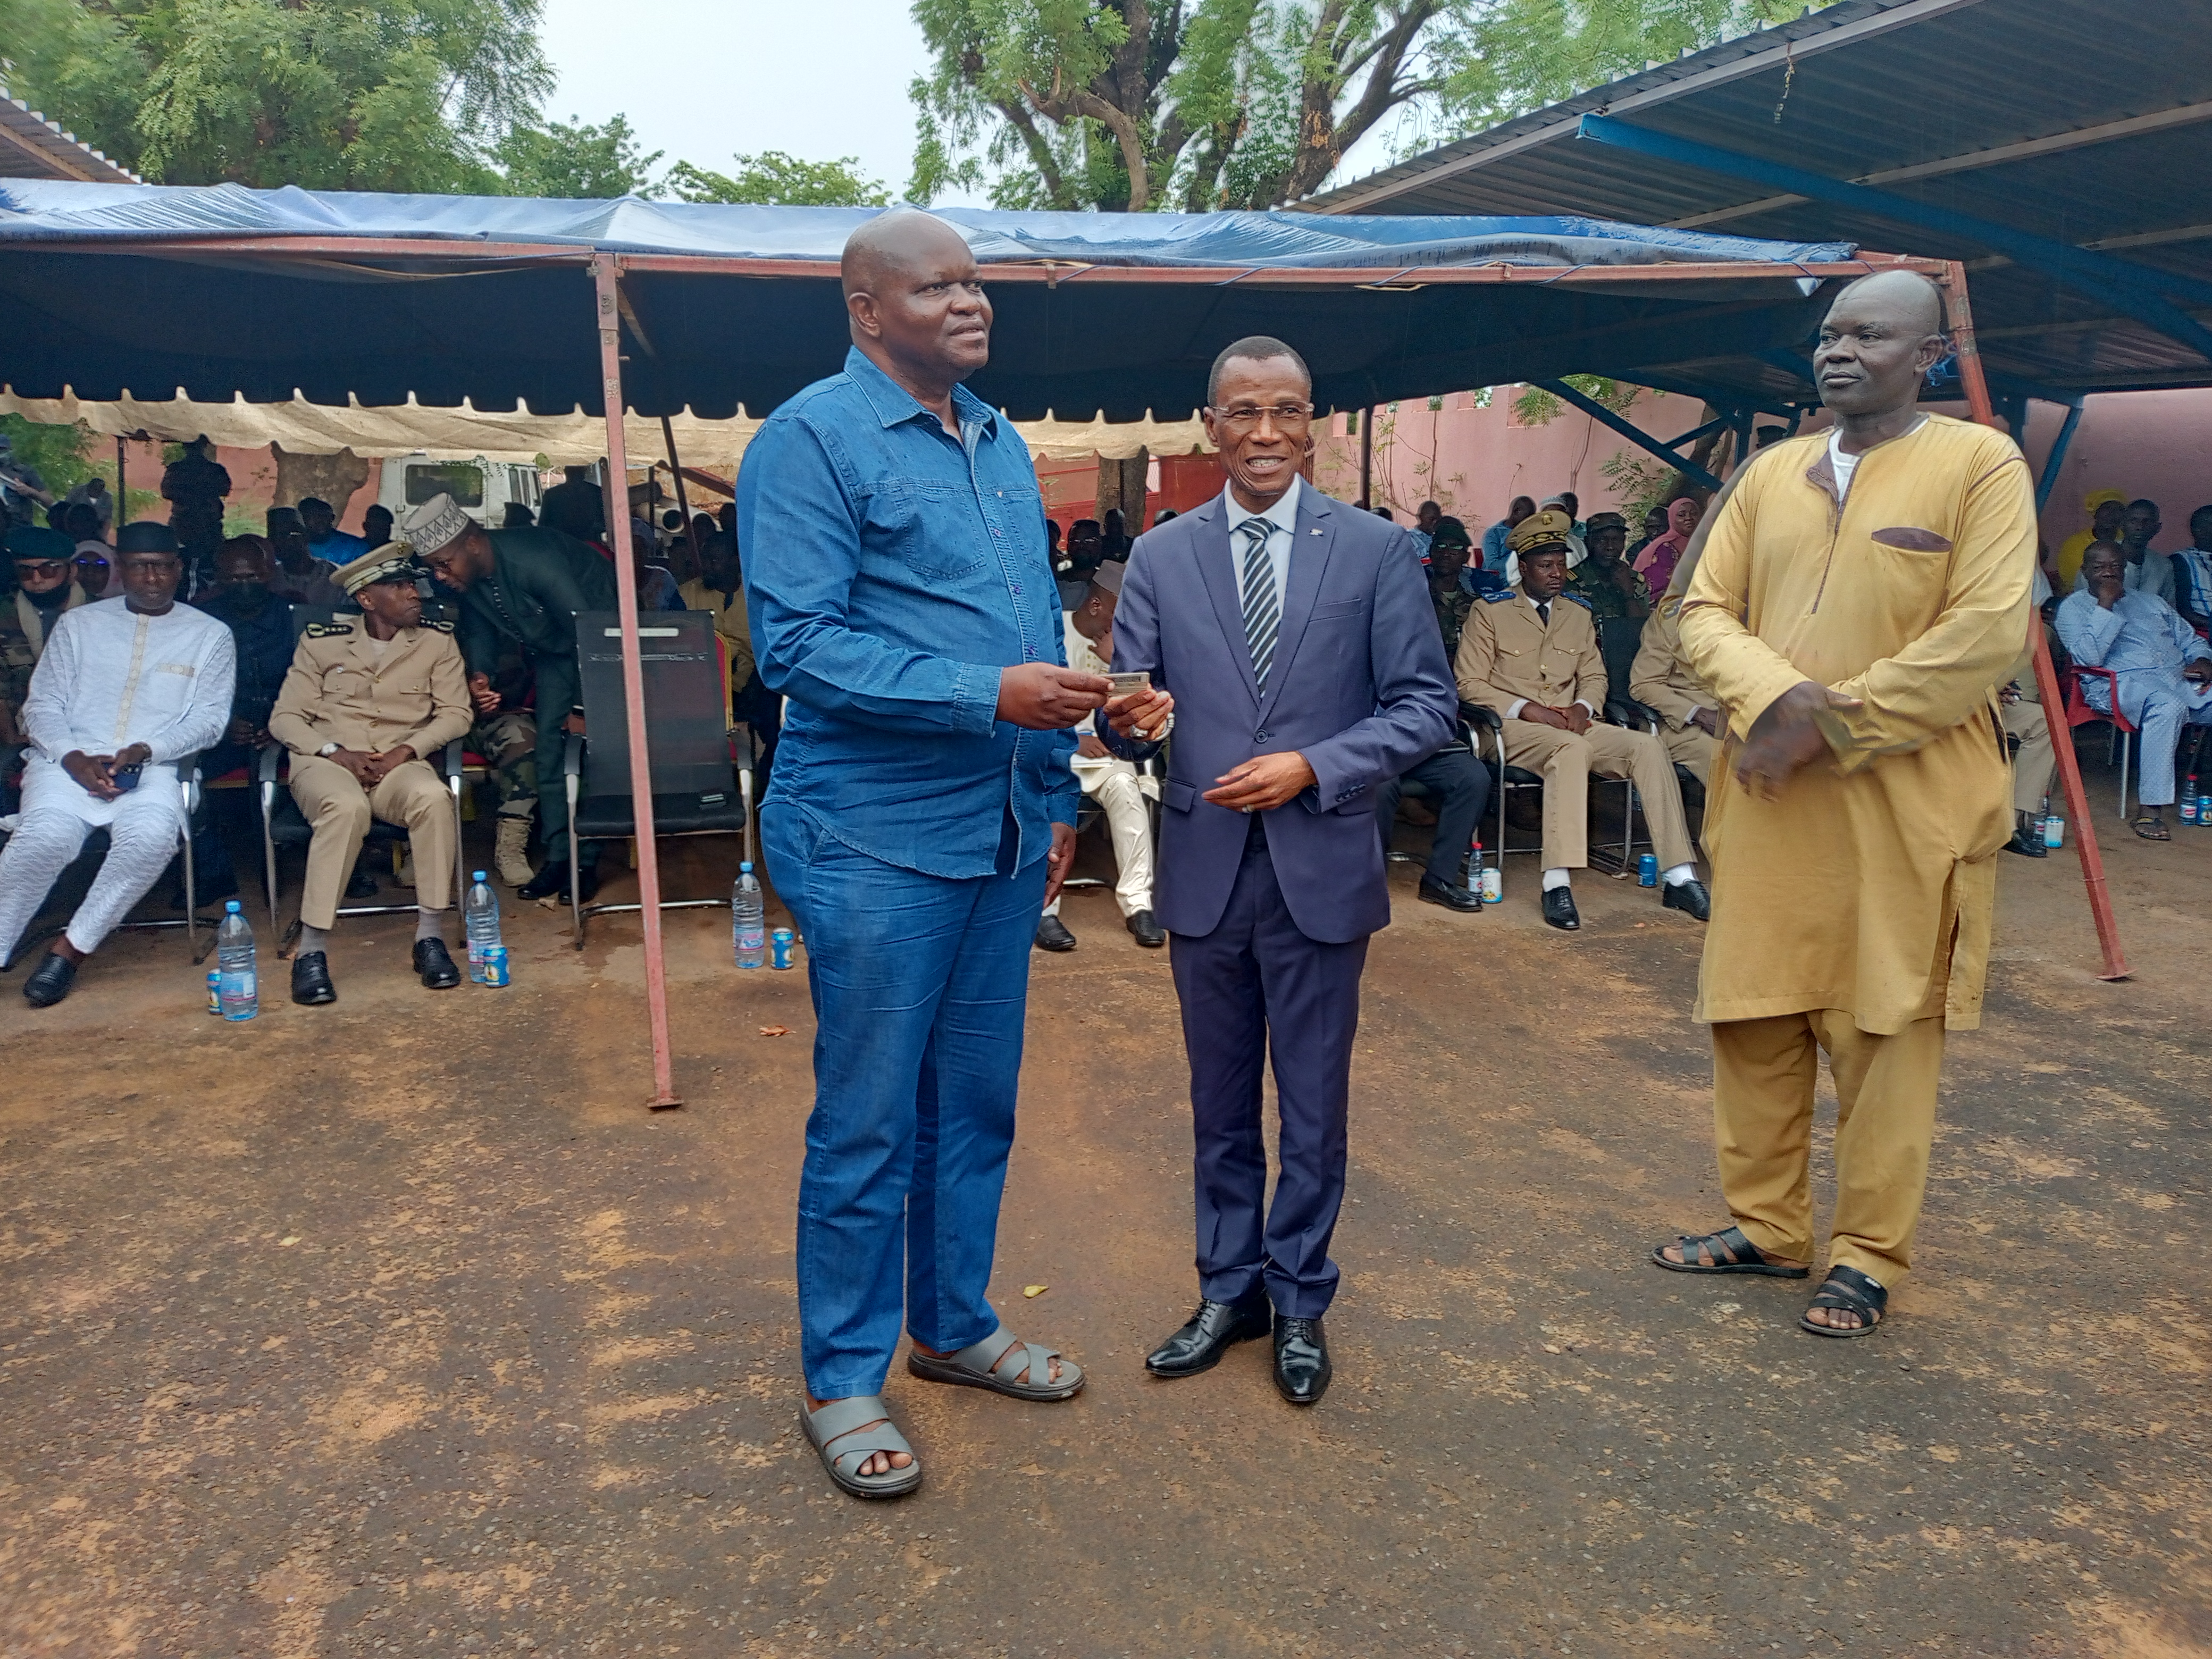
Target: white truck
(480, 487)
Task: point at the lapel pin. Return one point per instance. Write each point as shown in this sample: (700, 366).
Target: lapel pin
(1315, 530)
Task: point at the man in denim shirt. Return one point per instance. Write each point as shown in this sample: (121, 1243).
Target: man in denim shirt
(922, 815)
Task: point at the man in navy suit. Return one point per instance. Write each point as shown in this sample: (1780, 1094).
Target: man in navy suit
(1293, 639)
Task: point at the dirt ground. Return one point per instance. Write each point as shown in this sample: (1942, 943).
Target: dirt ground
(398, 1327)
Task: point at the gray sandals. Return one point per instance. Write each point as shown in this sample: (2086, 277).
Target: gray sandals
(995, 1362)
(840, 1433)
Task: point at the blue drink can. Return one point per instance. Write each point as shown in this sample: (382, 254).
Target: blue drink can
(1647, 870)
(779, 945)
(215, 992)
(492, 965)
(2204, 812)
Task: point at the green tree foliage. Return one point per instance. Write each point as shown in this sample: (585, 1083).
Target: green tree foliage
(575, 161)
(777, 179)
(330, 94)
(59, 454)
(1201, 104)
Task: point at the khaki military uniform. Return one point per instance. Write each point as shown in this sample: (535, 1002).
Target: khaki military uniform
(1661, 681)
(2037, 760)
(343, 689)
(1509, 655)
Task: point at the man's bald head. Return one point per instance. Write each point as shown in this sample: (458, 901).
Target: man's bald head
(1909, 294)
(916, 308)
(1879, 340)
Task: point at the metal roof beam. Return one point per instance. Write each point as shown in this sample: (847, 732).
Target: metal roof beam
(1634, 434)
(2055, 143)
(2138, 290)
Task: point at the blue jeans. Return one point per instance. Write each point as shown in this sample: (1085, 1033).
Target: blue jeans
(921, 984)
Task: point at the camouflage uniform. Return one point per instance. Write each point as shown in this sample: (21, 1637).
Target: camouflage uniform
(1452, 606)
(18, 657)
(507, 743)
(1597, 590)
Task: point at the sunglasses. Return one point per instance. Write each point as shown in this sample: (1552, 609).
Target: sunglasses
(41, 567)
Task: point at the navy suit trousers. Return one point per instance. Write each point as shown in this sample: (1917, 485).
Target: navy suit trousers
(1256, 982)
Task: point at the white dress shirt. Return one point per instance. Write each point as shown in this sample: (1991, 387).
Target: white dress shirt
(110, 677)
(1283, 523)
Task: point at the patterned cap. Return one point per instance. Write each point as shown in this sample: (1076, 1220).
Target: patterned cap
(393, 562)
(1549, 528)
(434, 525)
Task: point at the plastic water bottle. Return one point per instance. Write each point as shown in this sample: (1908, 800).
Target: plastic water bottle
(748, 918)
(233, 955)
(1484, 878)
(2189, 801)
(480, 915)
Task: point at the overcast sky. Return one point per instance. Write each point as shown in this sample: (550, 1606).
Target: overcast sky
(706, 79)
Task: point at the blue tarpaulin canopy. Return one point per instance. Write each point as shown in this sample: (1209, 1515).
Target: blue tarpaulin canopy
(224, 291)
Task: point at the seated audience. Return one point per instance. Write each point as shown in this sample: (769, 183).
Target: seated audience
(376, 525)
(97, 572)
(1530, 655)
(324, 540)
(506, 740)
(2192, 573)
(1494, 553)
(1660, 678)
(721, 592)
(260, 626)
(1085, 553)
(369, 701)
(2033, 762)
(1114, 783)
(301, 578)
(1604, 581)
(1163, 515)
(81, 524)
(513, 516)
(124, 690)
(1458, 788)
(1114, 538)
(45, 569)
(1576, 550)
(2142, 571)
(1448, 589)
(2163, 669)
(1426, 517)
(2105, 508)
(1656, 562)
(1655, 526)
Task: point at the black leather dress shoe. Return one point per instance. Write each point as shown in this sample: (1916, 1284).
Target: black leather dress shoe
(1145, 929)
(1559, 910)
(1688, 895)
(2028, 847)
(1436, 891)
(1302, 1367)
(1215, 1328)
(311, 979)
(436, 964)
(50, 980)
(1051, 934)
(359, 885)
(551, 881)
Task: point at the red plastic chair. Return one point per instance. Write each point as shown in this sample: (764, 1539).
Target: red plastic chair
(2079, 713)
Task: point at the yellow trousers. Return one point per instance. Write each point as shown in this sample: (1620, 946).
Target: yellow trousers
(1763, 1073)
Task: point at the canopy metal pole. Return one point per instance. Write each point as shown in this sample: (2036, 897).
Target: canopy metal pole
(605, 276)
(1969, 356)
(683, 503)
(2057, 457)
(122, 514)
(1367, 456)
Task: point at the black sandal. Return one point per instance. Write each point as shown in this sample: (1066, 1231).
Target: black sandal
(1847, 1291)
(1727, 1251)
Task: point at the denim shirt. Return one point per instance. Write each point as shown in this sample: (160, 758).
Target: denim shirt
(891, 570)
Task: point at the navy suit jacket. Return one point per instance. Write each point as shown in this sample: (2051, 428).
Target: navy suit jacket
(1359, 686)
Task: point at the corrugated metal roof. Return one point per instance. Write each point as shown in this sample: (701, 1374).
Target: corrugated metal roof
(2085, 123)
(32, 147)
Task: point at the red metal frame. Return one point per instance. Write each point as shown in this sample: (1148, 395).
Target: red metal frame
(605, 276)
(1969, 355)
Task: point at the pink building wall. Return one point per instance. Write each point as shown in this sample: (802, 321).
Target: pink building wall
(2153, 444)
(1471, 461)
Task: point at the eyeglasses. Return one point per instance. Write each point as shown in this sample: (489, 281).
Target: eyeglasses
(1245, 416)
(41, 567)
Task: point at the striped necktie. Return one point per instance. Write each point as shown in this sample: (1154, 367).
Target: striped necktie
(1263, 607)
